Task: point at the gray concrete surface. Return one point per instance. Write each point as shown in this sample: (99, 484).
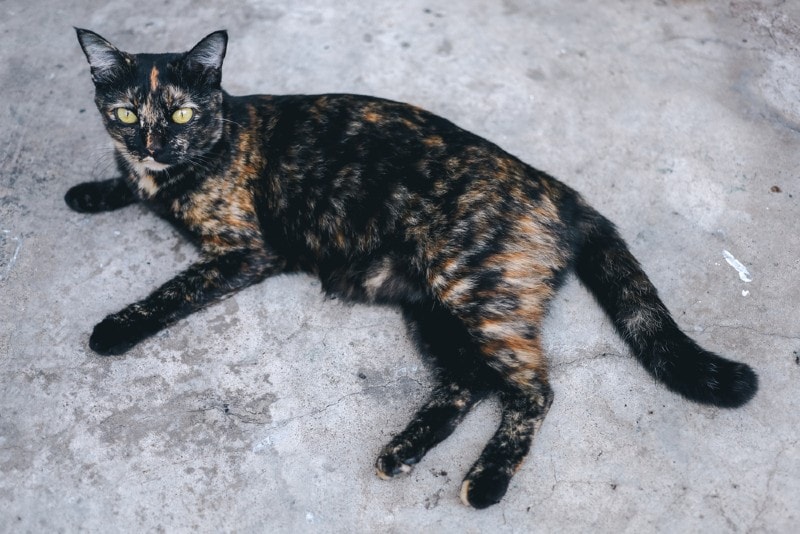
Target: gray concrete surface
(680, 120)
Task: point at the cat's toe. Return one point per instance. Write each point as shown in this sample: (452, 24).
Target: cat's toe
(485, 488)
(390, 465)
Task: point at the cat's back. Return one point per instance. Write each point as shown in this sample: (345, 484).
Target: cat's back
(373, 146)
(351, 169)
(358, 122)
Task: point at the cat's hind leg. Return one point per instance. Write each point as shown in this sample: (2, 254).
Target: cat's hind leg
(510, 344)
(462, 382)
(438, 418)
(524, 409)
(515, 369)
(94, 197)
(502, 301)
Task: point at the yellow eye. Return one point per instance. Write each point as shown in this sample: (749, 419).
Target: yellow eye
(183, 115)
(126, 116)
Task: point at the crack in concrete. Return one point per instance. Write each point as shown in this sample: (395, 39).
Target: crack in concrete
(762, 506)
(750, 329)
(338, 401)
(328, 329)
(576, 361)
(258, 418)
(302, 327)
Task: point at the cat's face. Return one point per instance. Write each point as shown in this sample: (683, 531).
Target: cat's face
(161, 110)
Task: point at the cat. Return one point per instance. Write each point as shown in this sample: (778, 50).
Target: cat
(385, 203)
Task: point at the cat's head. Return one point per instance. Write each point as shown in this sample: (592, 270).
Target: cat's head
(161, 110)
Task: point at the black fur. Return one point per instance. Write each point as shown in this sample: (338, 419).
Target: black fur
(385, 203)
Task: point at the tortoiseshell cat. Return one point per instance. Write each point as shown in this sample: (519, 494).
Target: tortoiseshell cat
(386, 203)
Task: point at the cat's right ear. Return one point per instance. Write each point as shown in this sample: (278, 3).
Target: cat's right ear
(104, 58)
(205, 59)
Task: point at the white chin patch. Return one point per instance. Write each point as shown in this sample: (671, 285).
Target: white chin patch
(152, 165)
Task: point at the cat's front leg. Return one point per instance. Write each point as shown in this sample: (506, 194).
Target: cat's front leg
(202, 283)
(94, 197)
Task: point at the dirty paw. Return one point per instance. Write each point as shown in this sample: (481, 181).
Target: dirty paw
(484, 488)
(390, 465)
(116, 334)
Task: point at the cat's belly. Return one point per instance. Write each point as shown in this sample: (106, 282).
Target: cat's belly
(384, 280)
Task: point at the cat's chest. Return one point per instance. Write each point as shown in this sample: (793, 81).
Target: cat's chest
(221, 214)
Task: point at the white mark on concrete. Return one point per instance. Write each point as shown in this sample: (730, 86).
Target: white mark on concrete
(309, 517)
(262, 445)
(14, 256)
(745, 292)
(736, 264)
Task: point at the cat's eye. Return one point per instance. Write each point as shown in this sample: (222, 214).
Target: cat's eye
(182, 115)
(126, 116)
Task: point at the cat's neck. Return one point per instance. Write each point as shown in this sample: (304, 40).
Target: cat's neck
(164, 185)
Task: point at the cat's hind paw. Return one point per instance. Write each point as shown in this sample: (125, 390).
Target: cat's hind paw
(484, 488)
(389, 465)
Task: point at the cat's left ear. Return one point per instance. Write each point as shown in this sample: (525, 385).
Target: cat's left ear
(207, 55)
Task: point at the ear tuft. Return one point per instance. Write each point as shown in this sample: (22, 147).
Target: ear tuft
(104, 58)
(207, 55)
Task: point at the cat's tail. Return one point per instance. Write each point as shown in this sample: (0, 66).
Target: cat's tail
(606, 266)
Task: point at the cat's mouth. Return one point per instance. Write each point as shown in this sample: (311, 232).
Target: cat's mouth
(142, 164)
(149, 163)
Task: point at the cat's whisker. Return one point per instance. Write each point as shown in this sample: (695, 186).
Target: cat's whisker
(230, 121)
(200, 163)
(104, 162)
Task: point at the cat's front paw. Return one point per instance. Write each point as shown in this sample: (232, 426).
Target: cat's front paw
(85, 198)
(116, 334)
(93, 197)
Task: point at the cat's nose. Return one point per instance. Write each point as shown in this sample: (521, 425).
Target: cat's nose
(153, 154)
(154, 145)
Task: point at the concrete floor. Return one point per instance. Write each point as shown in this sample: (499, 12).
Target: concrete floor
(679, 120)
